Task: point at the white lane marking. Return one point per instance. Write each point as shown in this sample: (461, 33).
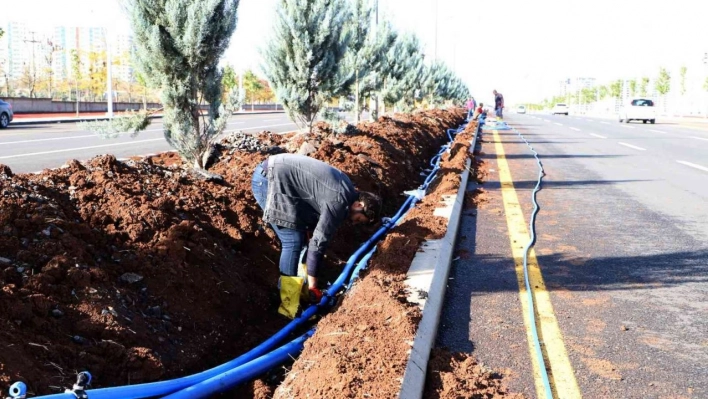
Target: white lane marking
(546, 120)
(559, 124)
(693, 165)
(699, 138)
(605, 123)
(87, 135)
(575, 128)
(271, 120)
(589, 120)
(80, 148)
(628, 127)
(657, 131)
(69, 137)
(631, 146)
(598, 136)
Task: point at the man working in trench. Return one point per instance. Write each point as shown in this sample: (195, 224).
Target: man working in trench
(298, 195)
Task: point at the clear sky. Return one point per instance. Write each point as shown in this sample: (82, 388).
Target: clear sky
(522, 48)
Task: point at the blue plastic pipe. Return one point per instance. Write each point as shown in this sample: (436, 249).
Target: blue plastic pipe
(241, 374)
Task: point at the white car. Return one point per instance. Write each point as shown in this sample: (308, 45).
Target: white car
(559, 109)
(639, 109)
(521, 109)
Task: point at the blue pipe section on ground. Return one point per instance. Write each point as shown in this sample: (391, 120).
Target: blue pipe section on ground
(241, 374)
(254, 362)
(529, 294)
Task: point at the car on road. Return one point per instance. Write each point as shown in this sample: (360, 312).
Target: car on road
(560, 109)
(5, 114)
(638, 109)
(521, 109)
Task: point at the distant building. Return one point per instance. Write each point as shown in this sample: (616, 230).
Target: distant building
(19, 41)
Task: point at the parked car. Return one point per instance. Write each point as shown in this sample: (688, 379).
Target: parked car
(560, 109)
(639, 109)
(5, 114)
(521, 109)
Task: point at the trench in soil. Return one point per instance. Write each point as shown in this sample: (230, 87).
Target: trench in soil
(139, 271)
(362, 349)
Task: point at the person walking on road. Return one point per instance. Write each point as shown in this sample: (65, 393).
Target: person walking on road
(299, 195)
(498, 104)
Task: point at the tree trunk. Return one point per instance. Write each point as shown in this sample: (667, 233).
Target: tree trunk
(356, 97)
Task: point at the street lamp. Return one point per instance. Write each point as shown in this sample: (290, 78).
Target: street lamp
(109, 74)
(705, 87)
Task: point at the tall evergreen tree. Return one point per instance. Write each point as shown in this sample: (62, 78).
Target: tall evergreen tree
(405, 72)
(178, 47)
(304, 57)
(365, 53)
(372, 84)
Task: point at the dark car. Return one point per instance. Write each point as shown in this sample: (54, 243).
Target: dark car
(5, 114)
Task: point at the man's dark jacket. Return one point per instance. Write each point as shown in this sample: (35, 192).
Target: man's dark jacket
(307, 194)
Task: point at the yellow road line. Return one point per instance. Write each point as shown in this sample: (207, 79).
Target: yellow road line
(560, 371)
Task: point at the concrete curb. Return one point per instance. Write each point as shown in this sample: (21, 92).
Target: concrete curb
(438, 253)
(20, 122)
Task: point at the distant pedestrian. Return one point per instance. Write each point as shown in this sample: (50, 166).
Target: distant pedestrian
(470, 105)
(478, 111)
(498, 104)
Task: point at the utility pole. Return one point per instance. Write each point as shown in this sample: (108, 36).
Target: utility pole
(240, 91)
(109, 77)
(705, 88)
(33, 71)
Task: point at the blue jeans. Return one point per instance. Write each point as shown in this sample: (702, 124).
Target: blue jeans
(292, 241)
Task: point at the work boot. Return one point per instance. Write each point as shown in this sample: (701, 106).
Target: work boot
(290, 288)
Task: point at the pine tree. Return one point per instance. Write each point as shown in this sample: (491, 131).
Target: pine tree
(372, 84)
(365, 53)
(303, 58)
(405, 72)
(178, 47)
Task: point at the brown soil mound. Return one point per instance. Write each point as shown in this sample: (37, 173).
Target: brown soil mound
(458, 375)
(361, 350)
(140, 270)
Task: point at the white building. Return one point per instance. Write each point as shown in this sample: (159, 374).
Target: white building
(19, 41)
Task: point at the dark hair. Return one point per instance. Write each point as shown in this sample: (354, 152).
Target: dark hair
(371, 205)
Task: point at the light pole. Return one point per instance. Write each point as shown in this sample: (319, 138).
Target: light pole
(109, 73)
(705, 85)
(109, 76)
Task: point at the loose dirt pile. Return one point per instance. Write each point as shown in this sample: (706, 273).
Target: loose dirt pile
(458, 375)
(141, 270)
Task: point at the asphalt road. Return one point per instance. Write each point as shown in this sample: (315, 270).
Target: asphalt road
(31, 148)
(623, 248)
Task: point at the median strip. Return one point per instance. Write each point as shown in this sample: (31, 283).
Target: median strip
(631, 146)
